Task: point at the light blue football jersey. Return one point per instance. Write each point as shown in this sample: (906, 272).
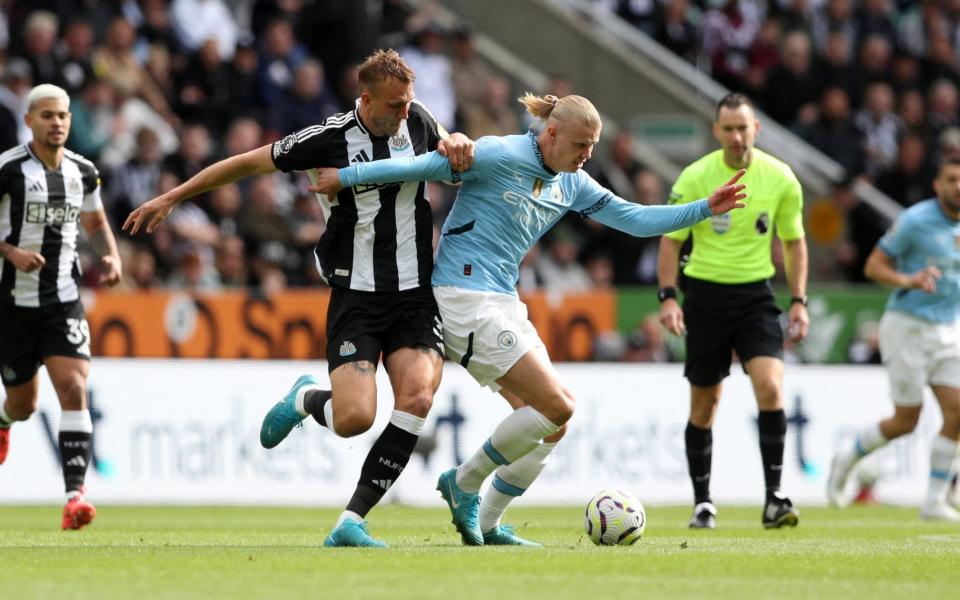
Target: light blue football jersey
(508, 199)
(924, 236)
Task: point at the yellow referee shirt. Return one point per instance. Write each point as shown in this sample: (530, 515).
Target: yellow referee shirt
(735, 247)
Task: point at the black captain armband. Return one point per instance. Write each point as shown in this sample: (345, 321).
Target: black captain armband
(798, 300)
(666, 292)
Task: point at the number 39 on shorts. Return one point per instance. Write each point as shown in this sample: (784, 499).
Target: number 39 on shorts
(78, 334)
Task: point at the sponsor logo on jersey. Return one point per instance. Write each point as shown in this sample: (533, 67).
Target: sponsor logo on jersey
(347, 348)
(399, 142)
(52, 214)
(720, 223)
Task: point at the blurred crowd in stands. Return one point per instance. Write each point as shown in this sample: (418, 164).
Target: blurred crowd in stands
(163, 88)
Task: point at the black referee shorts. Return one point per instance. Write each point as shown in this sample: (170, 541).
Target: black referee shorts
(28, 335)
(364, 325)
(722, 318)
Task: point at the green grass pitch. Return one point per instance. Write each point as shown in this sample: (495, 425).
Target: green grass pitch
(258, 552)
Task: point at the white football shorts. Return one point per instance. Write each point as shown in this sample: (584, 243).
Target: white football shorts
(918, 353)
(486, 332)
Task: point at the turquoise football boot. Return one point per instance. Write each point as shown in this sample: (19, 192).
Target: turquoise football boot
(463, 506)
(504, 535)
(352, 534)
(283, 417)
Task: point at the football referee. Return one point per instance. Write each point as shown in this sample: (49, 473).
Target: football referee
(728, 303)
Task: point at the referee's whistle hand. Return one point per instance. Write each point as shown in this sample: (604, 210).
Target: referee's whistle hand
(798, 323)
(671, 317)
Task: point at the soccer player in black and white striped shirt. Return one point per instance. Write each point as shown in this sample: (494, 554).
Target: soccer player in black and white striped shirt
(377, 256)
(46, 194)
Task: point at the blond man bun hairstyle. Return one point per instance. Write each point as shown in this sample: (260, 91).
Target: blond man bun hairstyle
(569, 109)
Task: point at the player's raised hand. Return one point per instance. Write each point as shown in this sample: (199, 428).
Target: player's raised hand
(671, 317)
(151, 213)
(458, 149)
(728, 196)
(926, 279)
(26, 260)
(326, 182)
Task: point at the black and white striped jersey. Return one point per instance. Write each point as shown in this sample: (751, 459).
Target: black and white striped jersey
(378, 237)
(40, 212)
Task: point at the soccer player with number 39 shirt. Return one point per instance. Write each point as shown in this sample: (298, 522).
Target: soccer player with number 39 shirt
(46, 194)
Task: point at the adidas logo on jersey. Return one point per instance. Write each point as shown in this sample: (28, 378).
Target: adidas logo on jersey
(361, 157)
(36, 186)
(347, 348)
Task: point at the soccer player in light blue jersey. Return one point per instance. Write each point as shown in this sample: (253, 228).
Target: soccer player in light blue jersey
(517, 188)
(919, 337)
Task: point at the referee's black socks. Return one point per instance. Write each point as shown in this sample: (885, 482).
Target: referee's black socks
(772, 425)
(699, 444)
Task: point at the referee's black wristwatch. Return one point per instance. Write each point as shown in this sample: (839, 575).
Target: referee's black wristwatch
(798, 300)
(666, 292)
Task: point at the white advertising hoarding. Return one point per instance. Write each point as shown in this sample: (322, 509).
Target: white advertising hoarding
(187, 431)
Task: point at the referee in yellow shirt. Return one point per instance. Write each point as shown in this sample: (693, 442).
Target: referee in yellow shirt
(728, 303)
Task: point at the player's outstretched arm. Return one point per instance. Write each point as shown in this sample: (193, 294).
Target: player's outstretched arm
(431, 166)
(151, 213)
(22, 260)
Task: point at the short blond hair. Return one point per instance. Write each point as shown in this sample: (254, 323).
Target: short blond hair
(380, 66)
(45, 91)
(569, 109)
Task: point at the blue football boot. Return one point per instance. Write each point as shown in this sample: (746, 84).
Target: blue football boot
(284, 416)
(352, 534)
(463, 506)
(504, 535)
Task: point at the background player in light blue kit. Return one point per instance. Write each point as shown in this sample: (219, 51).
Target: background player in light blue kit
(919, 337)
(517, 188)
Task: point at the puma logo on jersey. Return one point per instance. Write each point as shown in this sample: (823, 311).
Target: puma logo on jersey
(52, 214)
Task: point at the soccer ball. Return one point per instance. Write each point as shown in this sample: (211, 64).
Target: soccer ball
(614, 518)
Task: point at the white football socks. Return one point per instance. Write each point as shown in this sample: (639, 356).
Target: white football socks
(509, 482)
(867, 441)
(513, 438)
(943, 455)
